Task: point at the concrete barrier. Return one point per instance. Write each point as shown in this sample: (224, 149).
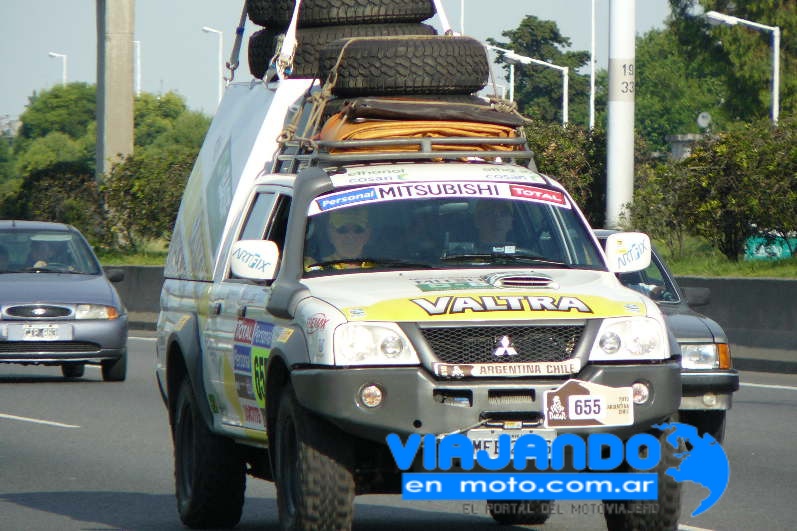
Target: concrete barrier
(759, 315)
(755, 312)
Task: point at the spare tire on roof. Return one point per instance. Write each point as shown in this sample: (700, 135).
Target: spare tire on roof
(381, 66)
(276, 14)
(263, 44)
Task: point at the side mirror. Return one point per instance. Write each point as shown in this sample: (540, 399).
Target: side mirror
(115, 275)
(697, 296)
(254, 259)
(628, 251)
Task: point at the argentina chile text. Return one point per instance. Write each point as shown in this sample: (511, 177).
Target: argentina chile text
(531, 467)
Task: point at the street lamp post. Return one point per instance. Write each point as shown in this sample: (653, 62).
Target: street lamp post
(715, 18)
(61, 56)
(137, 67)
(514, 59)
(208, 29)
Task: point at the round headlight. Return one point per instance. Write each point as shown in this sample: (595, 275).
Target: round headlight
(392, 346)
(610, 342)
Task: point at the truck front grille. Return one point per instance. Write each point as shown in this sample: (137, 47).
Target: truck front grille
(503, 344)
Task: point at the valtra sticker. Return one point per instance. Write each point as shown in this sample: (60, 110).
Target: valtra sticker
(576, 404)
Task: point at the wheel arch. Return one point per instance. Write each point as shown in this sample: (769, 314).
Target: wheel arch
(184, 360)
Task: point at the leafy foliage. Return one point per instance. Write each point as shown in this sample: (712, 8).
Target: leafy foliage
(538, 89)
(54, 159)
(143, 193)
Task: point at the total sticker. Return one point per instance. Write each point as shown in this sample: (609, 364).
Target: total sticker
(577, 404)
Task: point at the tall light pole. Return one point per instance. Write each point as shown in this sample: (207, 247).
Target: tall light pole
(514, 59)
(61, 56)
(715, 18)
(592, 70)
(208, 29)
(137, 67)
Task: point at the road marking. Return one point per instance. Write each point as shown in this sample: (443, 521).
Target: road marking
(691, 528)
(37, 421)
(143, 338)
(766, 386)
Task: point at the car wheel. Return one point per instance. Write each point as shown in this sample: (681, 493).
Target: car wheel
(660, 514)
(115, 370)
(520, 512)
(315, 485)
(209, 472)
(276, 14)
(73, 370)
(385, 66)
(263, 44)
(711, 422)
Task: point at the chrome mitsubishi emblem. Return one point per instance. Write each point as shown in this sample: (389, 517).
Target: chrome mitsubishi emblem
(504, 347)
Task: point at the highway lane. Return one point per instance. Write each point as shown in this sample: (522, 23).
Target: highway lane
(89, 455)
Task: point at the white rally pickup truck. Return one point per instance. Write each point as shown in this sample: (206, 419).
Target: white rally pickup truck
(323, 293)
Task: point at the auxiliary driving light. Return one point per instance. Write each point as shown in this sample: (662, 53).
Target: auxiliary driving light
(371, 396)
(710, 399)
(641, 391)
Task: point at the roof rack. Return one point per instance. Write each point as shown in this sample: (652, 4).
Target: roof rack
(297, 154)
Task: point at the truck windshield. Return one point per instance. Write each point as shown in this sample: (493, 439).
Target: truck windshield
(449, 232)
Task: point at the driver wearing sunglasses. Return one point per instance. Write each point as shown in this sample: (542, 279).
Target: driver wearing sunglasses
(348, 232)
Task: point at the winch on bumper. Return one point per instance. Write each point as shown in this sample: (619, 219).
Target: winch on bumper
(409, 400)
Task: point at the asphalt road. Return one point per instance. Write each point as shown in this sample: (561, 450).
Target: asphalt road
(89, 455)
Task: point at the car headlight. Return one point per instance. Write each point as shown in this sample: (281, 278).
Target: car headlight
(706, 356)
(372, 344)
(630, 339)
(95, 311)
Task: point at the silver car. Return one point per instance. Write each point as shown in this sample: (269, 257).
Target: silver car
(57, 306)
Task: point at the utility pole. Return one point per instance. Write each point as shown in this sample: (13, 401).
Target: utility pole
(620, 132)
(115, 22)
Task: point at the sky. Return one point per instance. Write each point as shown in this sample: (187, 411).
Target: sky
(176, 55)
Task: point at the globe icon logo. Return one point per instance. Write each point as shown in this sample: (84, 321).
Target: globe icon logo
(702, 461)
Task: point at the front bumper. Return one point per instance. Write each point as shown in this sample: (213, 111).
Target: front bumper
(415, 402)
(92, 341)
(709, 390)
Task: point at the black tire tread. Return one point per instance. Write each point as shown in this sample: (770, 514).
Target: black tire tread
(263, 44)
(326, 486)
(218, 473)
(114, 370)
(406, 65)
(276, 14)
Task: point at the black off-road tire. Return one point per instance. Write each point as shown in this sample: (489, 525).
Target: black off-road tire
(711, 422)
(520, 512)
(209, 472)
(276, 14)
(387, 66)
(73, 370)
(115, 370)
(315, 485)
(263, 44)
(649, 515)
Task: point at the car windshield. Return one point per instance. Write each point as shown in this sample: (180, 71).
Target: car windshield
(45, 251)
(446, 232)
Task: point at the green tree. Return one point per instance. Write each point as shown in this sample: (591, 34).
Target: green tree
(740, 56)
(144, 192)
(67, 109)
(671, 91)
(538, 89)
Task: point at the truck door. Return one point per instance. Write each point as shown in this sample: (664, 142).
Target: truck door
(241, 333)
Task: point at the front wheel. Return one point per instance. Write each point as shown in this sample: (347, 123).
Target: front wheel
(315, 485)
(115, 370)
(209, 473)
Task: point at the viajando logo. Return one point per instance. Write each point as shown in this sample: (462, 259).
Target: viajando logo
(532, 467)
(701, 460)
